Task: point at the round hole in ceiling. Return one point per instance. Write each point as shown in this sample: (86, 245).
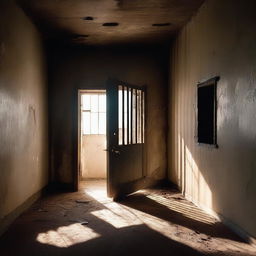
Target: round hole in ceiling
(161, 24)
(88, 18)
(110, 24)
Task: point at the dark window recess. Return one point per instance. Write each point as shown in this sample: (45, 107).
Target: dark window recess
(206, 112)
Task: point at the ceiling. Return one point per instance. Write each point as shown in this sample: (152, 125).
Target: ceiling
(101, 22)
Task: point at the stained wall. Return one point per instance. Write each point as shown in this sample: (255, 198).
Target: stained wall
(74, 68)
(218, 41)
(23, 112)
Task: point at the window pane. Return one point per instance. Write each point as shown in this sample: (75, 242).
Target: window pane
(134, 116)
(102, 103)
(94, 103)
(143, 117)
(138, 116)
(86, 124)
(94, 123)
(102, 123)
(129, 116)
(85, 102)
(125, 115)
(120, 115)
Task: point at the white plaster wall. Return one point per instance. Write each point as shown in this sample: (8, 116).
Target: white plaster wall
(219, 40)
(23, 110)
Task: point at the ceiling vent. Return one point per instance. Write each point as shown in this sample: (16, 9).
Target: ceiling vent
(161, 24)
(110, 24)
(88, 18)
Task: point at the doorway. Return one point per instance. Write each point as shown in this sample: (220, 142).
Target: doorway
(112, 129)
(92, 142)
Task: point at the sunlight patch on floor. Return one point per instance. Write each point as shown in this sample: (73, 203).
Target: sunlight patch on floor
(97, 190)
(118, 221)
(67, 236)
(185, 209)
(120, 216)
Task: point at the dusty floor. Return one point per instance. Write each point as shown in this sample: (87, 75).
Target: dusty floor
(149, 222)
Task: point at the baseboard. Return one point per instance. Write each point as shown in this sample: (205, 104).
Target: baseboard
(7, 220)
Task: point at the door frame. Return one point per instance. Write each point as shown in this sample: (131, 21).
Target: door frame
(76, 131)
(77, 134)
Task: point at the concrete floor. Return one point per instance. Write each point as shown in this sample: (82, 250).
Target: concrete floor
(149, 222)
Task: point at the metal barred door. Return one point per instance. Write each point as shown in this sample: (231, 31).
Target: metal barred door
(125, 137)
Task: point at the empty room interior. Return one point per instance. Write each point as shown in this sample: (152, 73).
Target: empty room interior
(128, 127)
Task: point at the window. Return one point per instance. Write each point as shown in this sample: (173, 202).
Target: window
(93, 111)
(206, 112)
(131, 121)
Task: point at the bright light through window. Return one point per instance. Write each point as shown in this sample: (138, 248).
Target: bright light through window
(131, 111)
(93, 113)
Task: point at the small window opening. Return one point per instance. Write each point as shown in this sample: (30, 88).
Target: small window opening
(206, 112)
(93, 106)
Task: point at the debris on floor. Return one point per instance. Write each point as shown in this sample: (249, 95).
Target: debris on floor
(87, 221)
(82, 201)
(82, 222)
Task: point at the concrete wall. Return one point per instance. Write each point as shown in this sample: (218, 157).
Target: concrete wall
(81, 68)
(23, 111)
(219, 40)
(93, 156)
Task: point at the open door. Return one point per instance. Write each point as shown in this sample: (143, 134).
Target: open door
(125, 137)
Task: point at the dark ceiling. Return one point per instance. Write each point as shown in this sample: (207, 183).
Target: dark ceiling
(101, 22)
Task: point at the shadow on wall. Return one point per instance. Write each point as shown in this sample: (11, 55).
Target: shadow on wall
(181, 214)
(224, 179)
(191, 179)
(195, 185)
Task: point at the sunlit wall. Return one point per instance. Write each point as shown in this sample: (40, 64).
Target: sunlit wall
(218, 41)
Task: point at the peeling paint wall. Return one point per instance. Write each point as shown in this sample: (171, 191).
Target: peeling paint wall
(82, 68)
(219, 40)
(23, 110)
